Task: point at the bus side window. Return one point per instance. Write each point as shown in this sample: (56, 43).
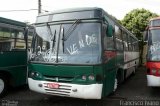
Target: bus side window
(129, 43)
(5, 46)
(118, 37)
(133, 43)
(19, 41)
(125, 41)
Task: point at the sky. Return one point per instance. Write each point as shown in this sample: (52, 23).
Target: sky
(117, 8)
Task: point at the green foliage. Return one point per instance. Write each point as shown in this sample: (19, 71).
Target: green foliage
(137, 20)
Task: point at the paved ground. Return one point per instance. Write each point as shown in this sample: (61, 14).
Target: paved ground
(133, 92)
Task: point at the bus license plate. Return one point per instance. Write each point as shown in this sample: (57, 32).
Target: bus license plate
(53, 85)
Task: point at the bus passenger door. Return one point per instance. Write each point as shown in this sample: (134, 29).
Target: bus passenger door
(109, 60)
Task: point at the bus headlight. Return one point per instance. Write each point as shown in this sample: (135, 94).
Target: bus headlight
(84, 77)
(153, 71)
(88, 77)
(91, 77)
(35, 75)
(32, 74)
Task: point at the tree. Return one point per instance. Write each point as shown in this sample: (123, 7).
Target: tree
(137, 20)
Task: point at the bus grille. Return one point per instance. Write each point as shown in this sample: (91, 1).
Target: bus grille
(58, 79)
(63, 90)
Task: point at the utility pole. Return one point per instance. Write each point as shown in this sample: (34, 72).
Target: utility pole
(39, 6)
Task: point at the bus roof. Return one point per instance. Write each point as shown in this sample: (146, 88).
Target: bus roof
(12, 22)
(71, 10)
(154, 27)
(70, 14)
(155, 18)
(47, 16)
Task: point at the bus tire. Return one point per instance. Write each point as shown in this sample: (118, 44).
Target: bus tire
(3, 86)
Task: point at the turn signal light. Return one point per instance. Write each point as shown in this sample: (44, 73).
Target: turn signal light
(91, 77)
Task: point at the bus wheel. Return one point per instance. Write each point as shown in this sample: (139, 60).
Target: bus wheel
(115, 84)
(3, 86)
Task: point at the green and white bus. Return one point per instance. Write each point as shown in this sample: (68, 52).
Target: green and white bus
(13, 55)
(80, 53)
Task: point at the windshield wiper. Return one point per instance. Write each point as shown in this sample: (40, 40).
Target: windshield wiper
(53, 37)
(71, 29)
(33, 39)
(53, 40)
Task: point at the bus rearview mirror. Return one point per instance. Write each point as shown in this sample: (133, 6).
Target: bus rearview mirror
(109, 31)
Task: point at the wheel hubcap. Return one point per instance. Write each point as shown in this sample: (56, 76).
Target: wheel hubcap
(1, 86)
(115, 84)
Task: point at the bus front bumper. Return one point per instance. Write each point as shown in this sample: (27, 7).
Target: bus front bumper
(91, 91)
(153, 81)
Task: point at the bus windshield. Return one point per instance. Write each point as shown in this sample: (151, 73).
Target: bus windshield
(67, 43)
(154, 45)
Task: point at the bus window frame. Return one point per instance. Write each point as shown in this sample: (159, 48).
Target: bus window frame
(118, 39)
